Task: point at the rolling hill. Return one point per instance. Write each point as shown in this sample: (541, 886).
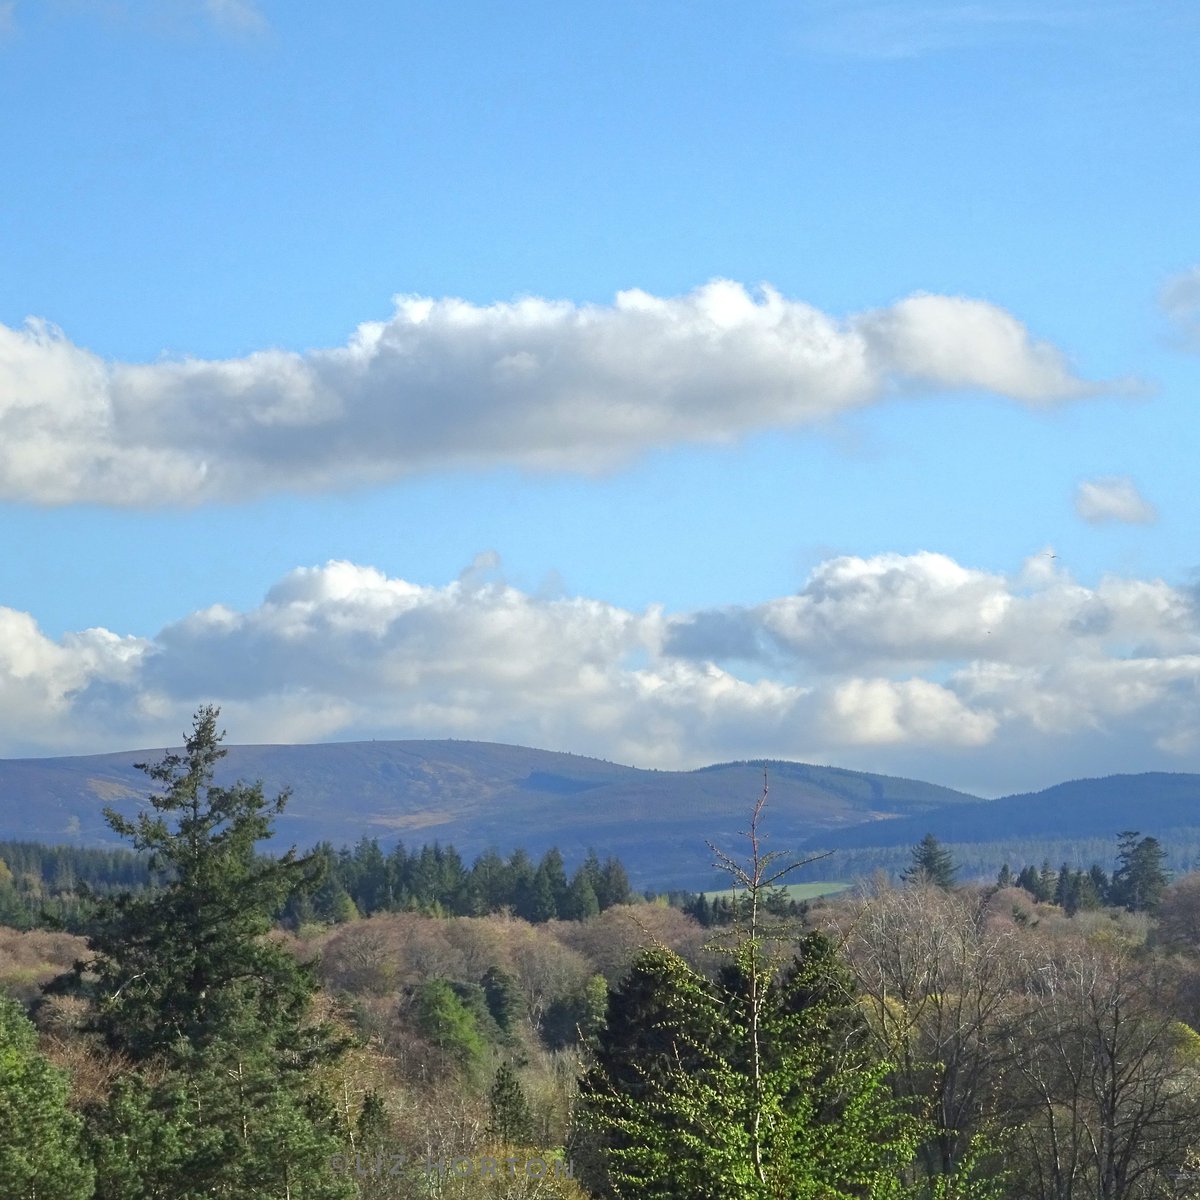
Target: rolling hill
(480, 794)
(1080, 808)
(1076, 822)
(477, 794)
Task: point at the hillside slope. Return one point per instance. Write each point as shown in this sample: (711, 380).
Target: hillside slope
(480, 794)
(1081, 808)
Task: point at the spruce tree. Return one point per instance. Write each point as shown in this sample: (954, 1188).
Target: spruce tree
(1140, 879)
(505, 1001)
(931, 863)
(511, 1117)
(690, 1099)
(214, 1014)
(758, 1084)
(581, 901)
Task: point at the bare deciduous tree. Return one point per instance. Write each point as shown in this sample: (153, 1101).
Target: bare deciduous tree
(938, 976)
(1110, 1113)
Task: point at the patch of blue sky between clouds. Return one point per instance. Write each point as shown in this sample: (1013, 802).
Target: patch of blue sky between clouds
(884, 29)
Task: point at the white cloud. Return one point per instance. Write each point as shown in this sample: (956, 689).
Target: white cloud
(913, 664)
(1180, 300)
(536, 383)
(8, 9)
(1113, 498)
(925, 339)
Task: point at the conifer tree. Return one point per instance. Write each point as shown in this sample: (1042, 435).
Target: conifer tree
(1032, 883)
(581, 902)
(613, 885)
(931, 863)
(450, 1025)
(511, 1117)
(41, 1151)
(505, 1002)
(1140, 879)
(758, 1084)
(213, 1013)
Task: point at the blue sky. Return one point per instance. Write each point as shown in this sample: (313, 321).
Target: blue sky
(667, 382)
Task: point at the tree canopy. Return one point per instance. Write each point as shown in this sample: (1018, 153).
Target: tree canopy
(187, 985)
(931, 863)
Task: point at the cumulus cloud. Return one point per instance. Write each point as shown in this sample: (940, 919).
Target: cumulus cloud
(536, 383)
(1180, 300)
(910, 663)
(1113, 498)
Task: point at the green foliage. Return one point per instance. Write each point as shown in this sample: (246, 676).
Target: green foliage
(1140, 879)
(224, 1127)
(693, 1097)
(182, 965)
(444, 1020)
(41, 1155)
(581, 902)
(577, 1016)
(511, 1117)
(931, 863)
(214, 1013)
(761, 1083)
(505, 1003)
(57, 886)
(54, 885)
(433, 880)
(373, 1124)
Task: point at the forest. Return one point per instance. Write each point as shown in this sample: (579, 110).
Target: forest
(199, 1019)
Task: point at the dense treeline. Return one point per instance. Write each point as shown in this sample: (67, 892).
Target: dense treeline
(49, 884)
(1137, 884)
(727, 908)
(435, 880)
(980, 861)
(54, 885)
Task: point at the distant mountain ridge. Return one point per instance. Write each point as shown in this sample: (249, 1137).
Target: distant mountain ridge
(480, 794)
(476, 795)
(1149, 802)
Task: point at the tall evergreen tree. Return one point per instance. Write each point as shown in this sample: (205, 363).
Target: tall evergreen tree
(613, 885)
(1140, 879)
(686, 1110)
(581, 902)
(551, 867)
(505, 1002)
(187, 985)
(1031, 881)
(490, 884)
(931, 863)
(511, 1117)
(449, 1024)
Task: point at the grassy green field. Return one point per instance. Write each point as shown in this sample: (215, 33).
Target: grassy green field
(798, 891)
